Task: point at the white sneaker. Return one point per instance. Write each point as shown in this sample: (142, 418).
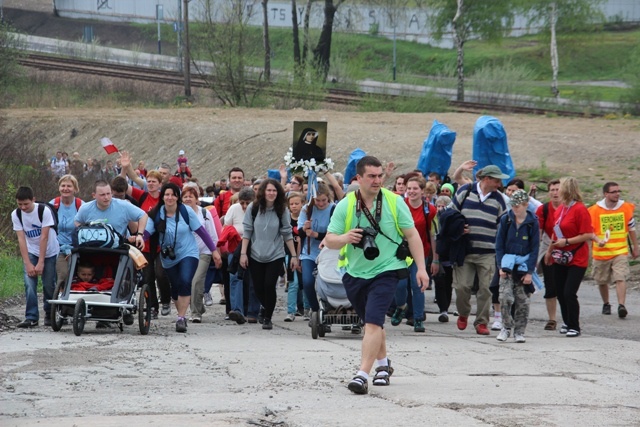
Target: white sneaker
(307, 314)
(503, 335)
(208, 301)
(290, 317)
(497, 325)
(520, 338)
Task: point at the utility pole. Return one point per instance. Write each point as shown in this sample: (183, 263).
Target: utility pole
(179, 31)
(159, 17)
(187, 56)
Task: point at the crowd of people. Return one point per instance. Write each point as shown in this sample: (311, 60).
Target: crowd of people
(468, 234)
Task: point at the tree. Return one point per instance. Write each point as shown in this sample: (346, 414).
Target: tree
(488, 20)
(563, 15)
(322, 51)
(265, 40)
(226, 44)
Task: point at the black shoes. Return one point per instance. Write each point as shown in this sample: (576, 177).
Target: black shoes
(266, 324)
(606, 308)
(237, 317)
(622, 311)
(27, 323)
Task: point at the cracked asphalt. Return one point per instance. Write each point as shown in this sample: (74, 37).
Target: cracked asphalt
(223, 374)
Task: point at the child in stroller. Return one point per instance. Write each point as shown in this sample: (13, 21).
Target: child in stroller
(335, 308)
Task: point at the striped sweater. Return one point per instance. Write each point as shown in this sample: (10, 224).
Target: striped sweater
(482, 217)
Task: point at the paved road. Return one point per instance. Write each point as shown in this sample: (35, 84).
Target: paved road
(222, 374)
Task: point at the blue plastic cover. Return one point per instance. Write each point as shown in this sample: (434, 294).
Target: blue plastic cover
(437, 150)
(490, 147)
(274, 174)
(350, 170)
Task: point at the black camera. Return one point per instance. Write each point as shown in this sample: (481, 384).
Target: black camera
(368, 243)
(403, 250)
(168, 252)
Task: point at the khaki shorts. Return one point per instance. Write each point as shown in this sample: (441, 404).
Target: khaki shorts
(616, 268)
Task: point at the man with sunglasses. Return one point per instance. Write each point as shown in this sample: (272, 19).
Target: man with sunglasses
(613, 224)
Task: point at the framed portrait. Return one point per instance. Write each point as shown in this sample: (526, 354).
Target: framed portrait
(310, 141)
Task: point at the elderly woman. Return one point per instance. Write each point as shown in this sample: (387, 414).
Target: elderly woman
(569, 252)
(267, 227)
(190, 199)
(67, 205)
(179, 253)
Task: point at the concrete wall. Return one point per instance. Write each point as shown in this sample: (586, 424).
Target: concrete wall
(411, 24)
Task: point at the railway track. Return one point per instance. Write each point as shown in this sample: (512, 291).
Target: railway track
(334, 96)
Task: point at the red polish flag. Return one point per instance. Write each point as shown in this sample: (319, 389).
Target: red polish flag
(108, 146)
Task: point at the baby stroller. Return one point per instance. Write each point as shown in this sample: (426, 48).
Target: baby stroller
(114, 295)
(335, 308)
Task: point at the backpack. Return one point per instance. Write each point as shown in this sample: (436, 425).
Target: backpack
(97, 235)
(41, 206)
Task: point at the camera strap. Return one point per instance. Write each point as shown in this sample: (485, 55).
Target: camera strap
(361, 207)
(175, 235)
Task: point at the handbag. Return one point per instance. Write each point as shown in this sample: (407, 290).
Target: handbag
(564, 257)
(97, 235)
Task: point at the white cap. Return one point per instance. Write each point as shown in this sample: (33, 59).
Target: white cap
(181, 153)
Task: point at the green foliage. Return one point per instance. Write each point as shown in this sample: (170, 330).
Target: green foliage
(541, 174)
(498, 82)
(11, 273)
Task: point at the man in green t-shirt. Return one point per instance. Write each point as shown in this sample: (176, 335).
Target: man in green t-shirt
(373, 218)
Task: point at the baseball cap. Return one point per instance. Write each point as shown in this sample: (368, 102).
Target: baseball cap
(518, 197)
(492, 171)
(181, 153)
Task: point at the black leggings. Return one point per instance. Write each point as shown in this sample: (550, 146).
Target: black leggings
(265, 279)
(443, 289)
(567, 280)
(154, 273)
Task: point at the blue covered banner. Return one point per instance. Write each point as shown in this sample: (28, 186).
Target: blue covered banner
(350, 170)
(437, 150)
(490, 147)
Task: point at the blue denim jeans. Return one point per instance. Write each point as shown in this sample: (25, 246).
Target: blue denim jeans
(181, 276)
(309, 283)
(237, 291)
(417, 296)
(294, 293)
(31, 287)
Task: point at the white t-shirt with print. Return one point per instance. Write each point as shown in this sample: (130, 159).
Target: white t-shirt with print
(32, 228)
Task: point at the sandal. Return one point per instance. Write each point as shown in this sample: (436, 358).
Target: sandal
(382, 379)
(551, 325)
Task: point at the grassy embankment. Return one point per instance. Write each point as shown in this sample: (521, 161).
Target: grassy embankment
(518, 66)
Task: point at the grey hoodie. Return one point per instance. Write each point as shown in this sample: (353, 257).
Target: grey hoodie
(267, 234)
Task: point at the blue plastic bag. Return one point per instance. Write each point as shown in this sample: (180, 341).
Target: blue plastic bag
(490, 147)
(350, 170)
(437, 150)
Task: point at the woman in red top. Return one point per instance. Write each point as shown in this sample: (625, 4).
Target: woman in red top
(423, 213)
(571, 233)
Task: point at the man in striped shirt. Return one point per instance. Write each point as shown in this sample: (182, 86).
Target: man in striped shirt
(482, 205)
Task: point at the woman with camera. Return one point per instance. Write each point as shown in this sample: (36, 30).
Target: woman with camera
(569, 252)
(174, 223)
(266, 230)
(312, 226)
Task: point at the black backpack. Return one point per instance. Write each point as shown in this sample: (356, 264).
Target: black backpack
(41, 207)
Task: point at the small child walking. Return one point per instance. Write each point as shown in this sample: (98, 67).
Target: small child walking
(517, 244)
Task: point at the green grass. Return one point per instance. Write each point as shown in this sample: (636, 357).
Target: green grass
(595, 55)
(11, 273)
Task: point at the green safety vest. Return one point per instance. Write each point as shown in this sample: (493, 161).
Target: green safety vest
(391, 198)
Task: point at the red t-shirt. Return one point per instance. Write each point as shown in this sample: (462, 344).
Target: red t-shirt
(222, 202)
(546, 225)
(147, 204)
(421, 224)
(574, 221)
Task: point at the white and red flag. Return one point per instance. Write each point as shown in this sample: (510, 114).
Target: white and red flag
(108, 146)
